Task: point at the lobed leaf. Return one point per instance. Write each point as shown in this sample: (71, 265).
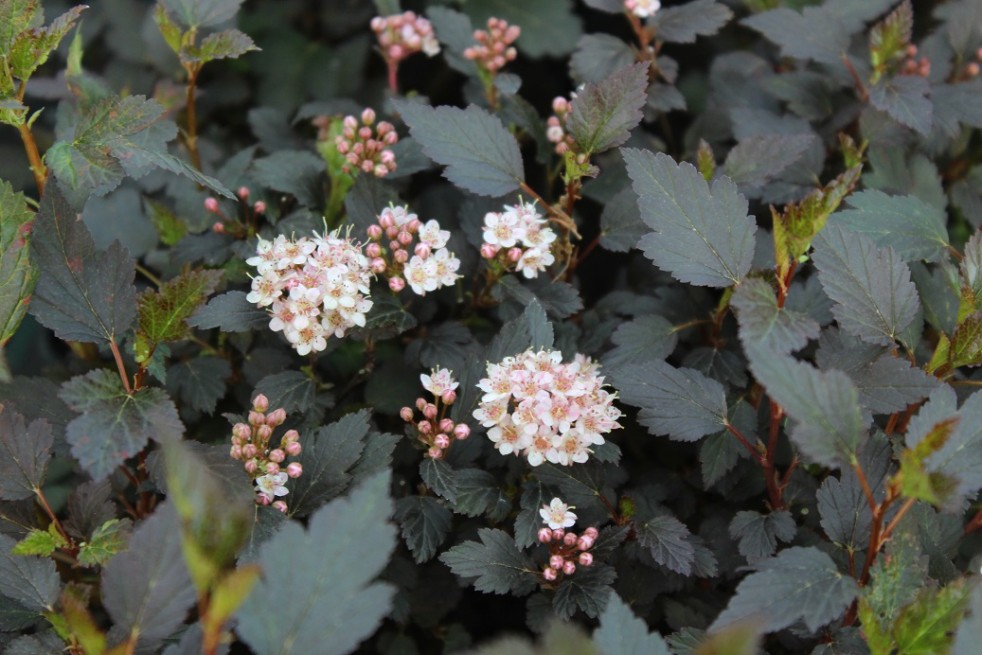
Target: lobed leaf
(763, 323)
(914, 229)
(667, 539)
(230, 312)
(587, 590)
(621, 226)
(30, 582)
(683, 23)
(425, 524)
(757, 534)
(815, 34)
(758, 160)
(597, 56)
(25, 451)
(199, 382)
(905, 99)
(163, 313)
(603, 114)
(227, 44)
(496, 562)
(622, 633)
(203, 13)
(648, 338)
(328, 459)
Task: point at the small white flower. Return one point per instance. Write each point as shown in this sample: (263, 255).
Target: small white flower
(557, 515)
(431, 234)
(642, 8)
(271, 484)
(438, 382)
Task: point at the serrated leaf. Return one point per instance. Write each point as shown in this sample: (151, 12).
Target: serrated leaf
(759, 159)
(597, 56)
(966, 342)
(146, 589)
(31, 48)
(603, 114)
(825, 405)
(843, 510)
(702, 235)
(294, 391)
(439, 477)
(620, 223)
(163, 314)
(227, 44)
(587, 590)
(872, 293)
(114, 426)
(17, 16)
(765, 324)
(895, 579)
(89, 507)
(815, 34)
(477, 491)
(683, 23)
(960, 457)
(108, 539)
(889, 38)
(757, 534)
(297, 172)
(17, 273)
(718, 454)
(905, 99)
(914, 229)
(425, 524)
(496, 563)
(230, 312)
(328, 458)
(480, 154)
(31, 582)
(549, 27)
(924, 626)
(667, 539)
(40, 542)
(969, 632)
(203, 13)
(317, 567)
(199, 382)
(890, 384)
(530, 330)
(800, 584)
(622, 633)
(679, 402)
(528, 521)
(647, 338)
(81, 294)
(25, 451)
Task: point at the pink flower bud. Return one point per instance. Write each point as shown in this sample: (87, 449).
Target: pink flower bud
(395, 245)
(211, 205)
(422, 250)
(570, 538)
(421, 404)
(243, 192)
(373, 250)
(251, 466)
(406, 414)
(405, 238)
(277, 455)
(441, 441)
(279, 506)
(378, 266)
(350, 122)
(978, 54)
(391, 232)
(249, 451)
(430, 411)
(264, 432)
(556, 562)
(911, 50)
(381, 170)
(235, 452)
(585, 543)
(558, 534)
(259, 207)
(569, 568)
(365, 133)
(585, 559)
(514, 254)
(368, 116)
(385, 219)
(263, 499)
(401, 256)
(374, 233)
(972, 70)
(560, 105)
(435, 453)
(488, 251)
(218, 227)
(397, 284)
(391, 138)
(591, 532)
(242, 431)
(425, 427)
(461, 431)
(276, 417)
(294, 469)
(545, 535)
(290, 436)
(342, 146)
(387, 157)
(256, 418)
(260, 403)
(446, 425)
(449, 396)
(549, 574)
(413, 226)
(272, 468)
(293, 448)
(367, 166)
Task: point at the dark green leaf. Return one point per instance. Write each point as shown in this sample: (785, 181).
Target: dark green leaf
(683, 23)
(961, 455)
(82, 294)
(757, 534)
(348, 543)
(765, 324)
(480, 154)
(89, 507)
(702, 235)
(528, 521)
(439, 477)
(667, 539)
(718, 454)
(425, 524)
(199, 382)
(620, 223)
(955, 105)
(31, 582)
(203, 13)
(17, 274)
(905, 99)
(597, 56)
(25, 451)
(114, 426)
(587, 590)
(800, 584)
(496, 563)
(679, 402)
(294, 391)
(603, 114)
(890, 384)
(814, 34)
(328, 459)
(914, 229)
(648, 338)
(297, 172)
(874, 298)
(758, 160)
(622, 633)
(610, 6)
(477, 491)
(146, 589)
(230, 312)
(530, 330)
(456, 32)
(559, 299)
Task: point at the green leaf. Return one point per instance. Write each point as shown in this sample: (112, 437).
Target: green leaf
(146, 589)
(679, 402)
(25, 451)
(701, 235)
(170, 226)
(843, 510)
(764, 324)
(114, 426)
(82, 294)
(108, 539)
(328, 459)
(871, 290)
(348, 543)
(667, 539)
(31, 582)
(199, 383)
(549, 27)
(800, 584)
(914, 229)
(648, 338)
(740, 639)
(477, 491)
(622, 633)
(759, 159)
(604, 112)
(960, 456)
(227, 44)
(17, 274)
(966, 342)
(31, 48)
(889, 38)
(163, 314)
(683, 23)
(230, 312)
(969, 632)
(496, 562)
(597, 56)
(480, 154)
(587, 590)
(439, 477)
(829, 425)
(757, 534)
(620, 224)
(895, 578)
(425, 524)
(815, 34)
(530, 330)
(297, 172)
(17, 16)
(40, 542)
(924, 627)
(203, 13)
(294, 391)
(905, 99)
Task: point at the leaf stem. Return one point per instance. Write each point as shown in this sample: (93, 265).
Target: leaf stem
(774, 490)
(54, 519)
(121, 367)
(896, 519)
(561, 217)
(864, 483)
(38, 168)
(860, 87)
(975, 523)
(735, 431)
(191, 117)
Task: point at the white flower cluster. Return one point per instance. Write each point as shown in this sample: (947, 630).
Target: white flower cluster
(642, 8)
(313, 287)
(520, 238)
(557, 515)
(430, 266)
(537, 406)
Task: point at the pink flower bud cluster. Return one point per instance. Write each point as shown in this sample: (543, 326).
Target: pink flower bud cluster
(402, 35)
(642, 8)
(232, 225)
(266, 466)
(914, 66)
(434, 429)
(538, 407)
(567, 550)
(494, 47)
(365, 149)
(313, 287)
(556, 124)
(407, 250)
(519, 239)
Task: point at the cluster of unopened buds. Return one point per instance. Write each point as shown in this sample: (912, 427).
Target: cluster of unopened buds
(266, 466)
(642, 8)
(434, 429)
(494, 46)
(914, 66)
(402, 35)
(519, 238)
(538, 407)
(556, 125)
(416, 252)
(312, 287)
(235, 226)
(971, 69)
(366, 149)
(567, 550)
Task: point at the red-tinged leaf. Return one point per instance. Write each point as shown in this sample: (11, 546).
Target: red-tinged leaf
(17, 274)
(24, 454)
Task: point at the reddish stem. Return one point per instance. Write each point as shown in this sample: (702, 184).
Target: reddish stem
(975, 523)
(774, 490)
(393, 67)
(121, 367)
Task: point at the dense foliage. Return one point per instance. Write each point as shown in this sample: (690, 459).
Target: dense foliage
(510, 325)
